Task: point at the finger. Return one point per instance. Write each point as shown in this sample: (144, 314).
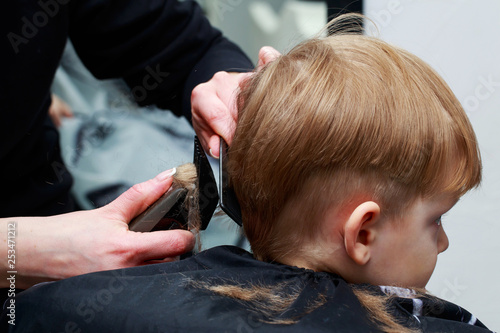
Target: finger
(214, 144)
(214, 109)
(162, 244)
(137, 198)
(67, 112)
(217, 122)
(226, 133)
(267, 54)
(160, 261)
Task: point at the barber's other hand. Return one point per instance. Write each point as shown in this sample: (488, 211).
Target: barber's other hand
(58, 110)
(213, 104)
(87, 241)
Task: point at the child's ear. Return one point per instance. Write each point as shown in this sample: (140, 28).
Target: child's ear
(359, 232)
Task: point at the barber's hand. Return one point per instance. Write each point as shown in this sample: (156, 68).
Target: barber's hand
(213, 104)
(59, 109)
(65, 245)
(213, 109)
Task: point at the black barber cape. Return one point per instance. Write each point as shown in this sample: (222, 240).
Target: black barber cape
(167, 298)
(161, 48)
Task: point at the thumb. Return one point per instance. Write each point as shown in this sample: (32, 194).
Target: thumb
(137, 198)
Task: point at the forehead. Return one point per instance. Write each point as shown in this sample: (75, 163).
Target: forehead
(439, 203)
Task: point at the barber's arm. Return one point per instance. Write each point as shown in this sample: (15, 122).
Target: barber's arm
(162, 49)
(42, 249)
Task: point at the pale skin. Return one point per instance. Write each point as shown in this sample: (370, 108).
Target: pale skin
(364, 247)
(58, 110)
(57, 247)
(219, 120)
(61, 246)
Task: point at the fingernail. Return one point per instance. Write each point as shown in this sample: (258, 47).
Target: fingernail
(211, 154)
(165, 174)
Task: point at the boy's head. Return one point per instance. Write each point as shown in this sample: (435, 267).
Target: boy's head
(338, 122)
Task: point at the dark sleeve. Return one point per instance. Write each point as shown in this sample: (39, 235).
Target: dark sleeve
(162, 48)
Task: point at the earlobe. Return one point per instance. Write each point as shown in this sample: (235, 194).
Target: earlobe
(358, 232)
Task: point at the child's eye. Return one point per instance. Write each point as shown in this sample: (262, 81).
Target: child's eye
(438, 220)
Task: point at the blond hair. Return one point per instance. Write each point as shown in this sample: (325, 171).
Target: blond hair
(337, 118)
(186, 177)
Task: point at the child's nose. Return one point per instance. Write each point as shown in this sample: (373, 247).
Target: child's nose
(443, 242)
